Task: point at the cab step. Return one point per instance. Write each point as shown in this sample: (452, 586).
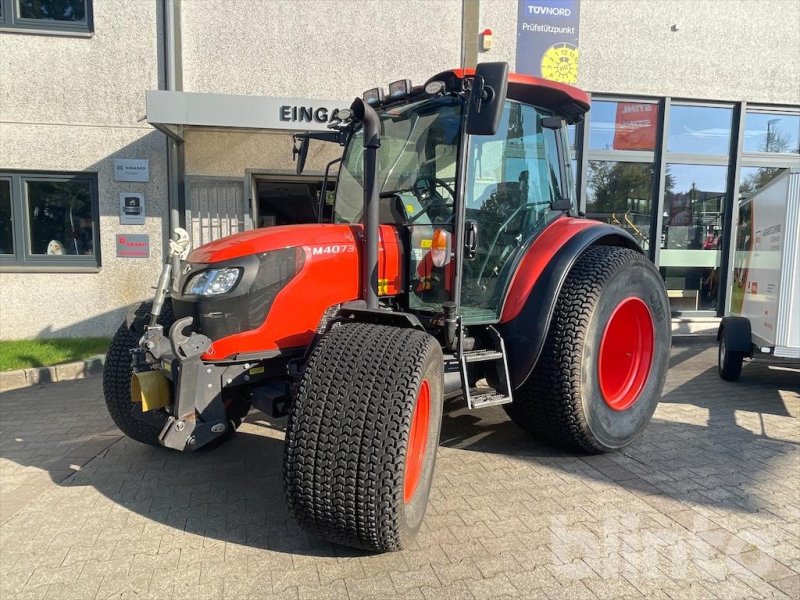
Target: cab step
(484, 395)
(481, 398)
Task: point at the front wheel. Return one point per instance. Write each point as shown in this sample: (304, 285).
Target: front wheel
(603, 365)
(362, 436)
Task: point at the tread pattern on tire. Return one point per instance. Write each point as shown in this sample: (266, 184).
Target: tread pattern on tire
(548, 404)
(117, 374)
(347, 433)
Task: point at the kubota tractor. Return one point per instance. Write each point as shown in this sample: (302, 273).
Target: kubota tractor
(456, 264)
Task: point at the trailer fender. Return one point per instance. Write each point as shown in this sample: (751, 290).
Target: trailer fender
(525, 327)
(737, 334)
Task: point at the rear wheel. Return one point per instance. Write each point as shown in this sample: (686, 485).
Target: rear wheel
(729, 362)
(362, 436)
(604, 361)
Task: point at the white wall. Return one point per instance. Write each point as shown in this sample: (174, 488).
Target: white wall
(74, 104)
(723, 49)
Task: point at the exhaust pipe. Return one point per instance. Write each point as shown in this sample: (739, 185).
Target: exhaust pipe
(151, 390)
(372, 126)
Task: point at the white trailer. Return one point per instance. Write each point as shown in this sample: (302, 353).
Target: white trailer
(764, 317)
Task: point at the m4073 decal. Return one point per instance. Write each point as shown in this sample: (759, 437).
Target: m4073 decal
(332, 249)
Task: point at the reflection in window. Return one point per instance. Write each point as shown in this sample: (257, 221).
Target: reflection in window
(623, 125)
(60, 217)
(619, 193)
(772, 132)
(691, 239)
(699, 129)
(6, 231)
(53, 10)
(753, 179)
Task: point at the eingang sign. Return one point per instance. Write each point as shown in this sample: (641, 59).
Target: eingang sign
(241, 112)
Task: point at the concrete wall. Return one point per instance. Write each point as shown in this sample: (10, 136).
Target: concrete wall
(722, 50)
(74, 104)
(316, 49)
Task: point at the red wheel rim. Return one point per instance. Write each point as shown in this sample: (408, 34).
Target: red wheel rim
(417, 441)
(626, 353)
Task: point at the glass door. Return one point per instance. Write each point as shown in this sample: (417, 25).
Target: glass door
(512, 179)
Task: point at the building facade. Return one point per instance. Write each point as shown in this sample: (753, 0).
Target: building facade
(118, 119)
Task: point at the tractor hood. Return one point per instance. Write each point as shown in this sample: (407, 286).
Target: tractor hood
(287, 278)
(265, 239)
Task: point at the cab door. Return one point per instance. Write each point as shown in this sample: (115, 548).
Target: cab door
(513, 179)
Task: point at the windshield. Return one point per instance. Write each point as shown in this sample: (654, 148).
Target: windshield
(416, 163)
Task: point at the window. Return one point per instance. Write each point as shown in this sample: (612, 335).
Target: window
(700, 129)
(772, 132)
(49, 220)
(513, 178)
(620, 193)
(694, 214)
(62, 16)
(6, 222)
(623, 125)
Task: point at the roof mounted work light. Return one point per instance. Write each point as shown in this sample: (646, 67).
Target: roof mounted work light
(373, 96)
(399, 89)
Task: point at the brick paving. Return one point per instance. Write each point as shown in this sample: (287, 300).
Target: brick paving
(704, 505)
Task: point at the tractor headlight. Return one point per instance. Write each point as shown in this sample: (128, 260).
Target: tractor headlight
(213, 282)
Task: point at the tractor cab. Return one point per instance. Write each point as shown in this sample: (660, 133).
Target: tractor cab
(483, 195)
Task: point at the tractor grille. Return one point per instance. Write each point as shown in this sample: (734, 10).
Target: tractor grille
(246, 307)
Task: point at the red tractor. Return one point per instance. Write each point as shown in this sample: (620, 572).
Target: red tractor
(455, 264)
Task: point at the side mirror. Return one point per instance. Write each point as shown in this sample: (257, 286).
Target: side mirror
(487, 98)
(300, 152)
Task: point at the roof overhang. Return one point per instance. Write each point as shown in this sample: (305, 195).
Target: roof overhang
(172, 112)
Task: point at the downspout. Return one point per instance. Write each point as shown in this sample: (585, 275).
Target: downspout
(173, 81)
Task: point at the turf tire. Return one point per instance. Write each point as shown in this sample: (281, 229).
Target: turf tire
(117, 373)
(348, 434)
(561, 401)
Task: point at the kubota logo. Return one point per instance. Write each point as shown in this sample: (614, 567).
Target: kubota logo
(332, 249)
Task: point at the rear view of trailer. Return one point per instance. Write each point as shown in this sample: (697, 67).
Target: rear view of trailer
(765, 298)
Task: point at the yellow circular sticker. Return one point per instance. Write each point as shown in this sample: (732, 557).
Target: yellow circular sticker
(560, 63)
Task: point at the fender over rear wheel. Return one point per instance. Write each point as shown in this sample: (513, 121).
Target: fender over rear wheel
(604, 361)
(362, 436)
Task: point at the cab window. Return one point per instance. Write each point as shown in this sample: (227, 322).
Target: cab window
(512, 180)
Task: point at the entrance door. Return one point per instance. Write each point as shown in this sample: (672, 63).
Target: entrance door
(291, 201)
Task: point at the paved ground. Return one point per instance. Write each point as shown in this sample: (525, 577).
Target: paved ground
(706, 504)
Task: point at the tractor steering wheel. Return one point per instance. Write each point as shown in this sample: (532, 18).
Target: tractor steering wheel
(436, 206)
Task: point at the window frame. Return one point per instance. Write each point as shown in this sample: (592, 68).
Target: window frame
(22, 260)
(11, 22)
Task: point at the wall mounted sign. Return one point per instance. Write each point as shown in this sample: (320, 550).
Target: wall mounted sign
(131, 208)
(133, 245)
(547, 39)
(131, 169)
(246, 112)
(635, 126)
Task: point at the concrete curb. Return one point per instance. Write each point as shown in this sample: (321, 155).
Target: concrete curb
(21, 378)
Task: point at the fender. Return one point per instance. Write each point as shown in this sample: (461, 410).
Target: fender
(737, 334)
(534, 290)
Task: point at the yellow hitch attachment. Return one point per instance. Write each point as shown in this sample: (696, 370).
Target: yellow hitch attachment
(150, 388)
